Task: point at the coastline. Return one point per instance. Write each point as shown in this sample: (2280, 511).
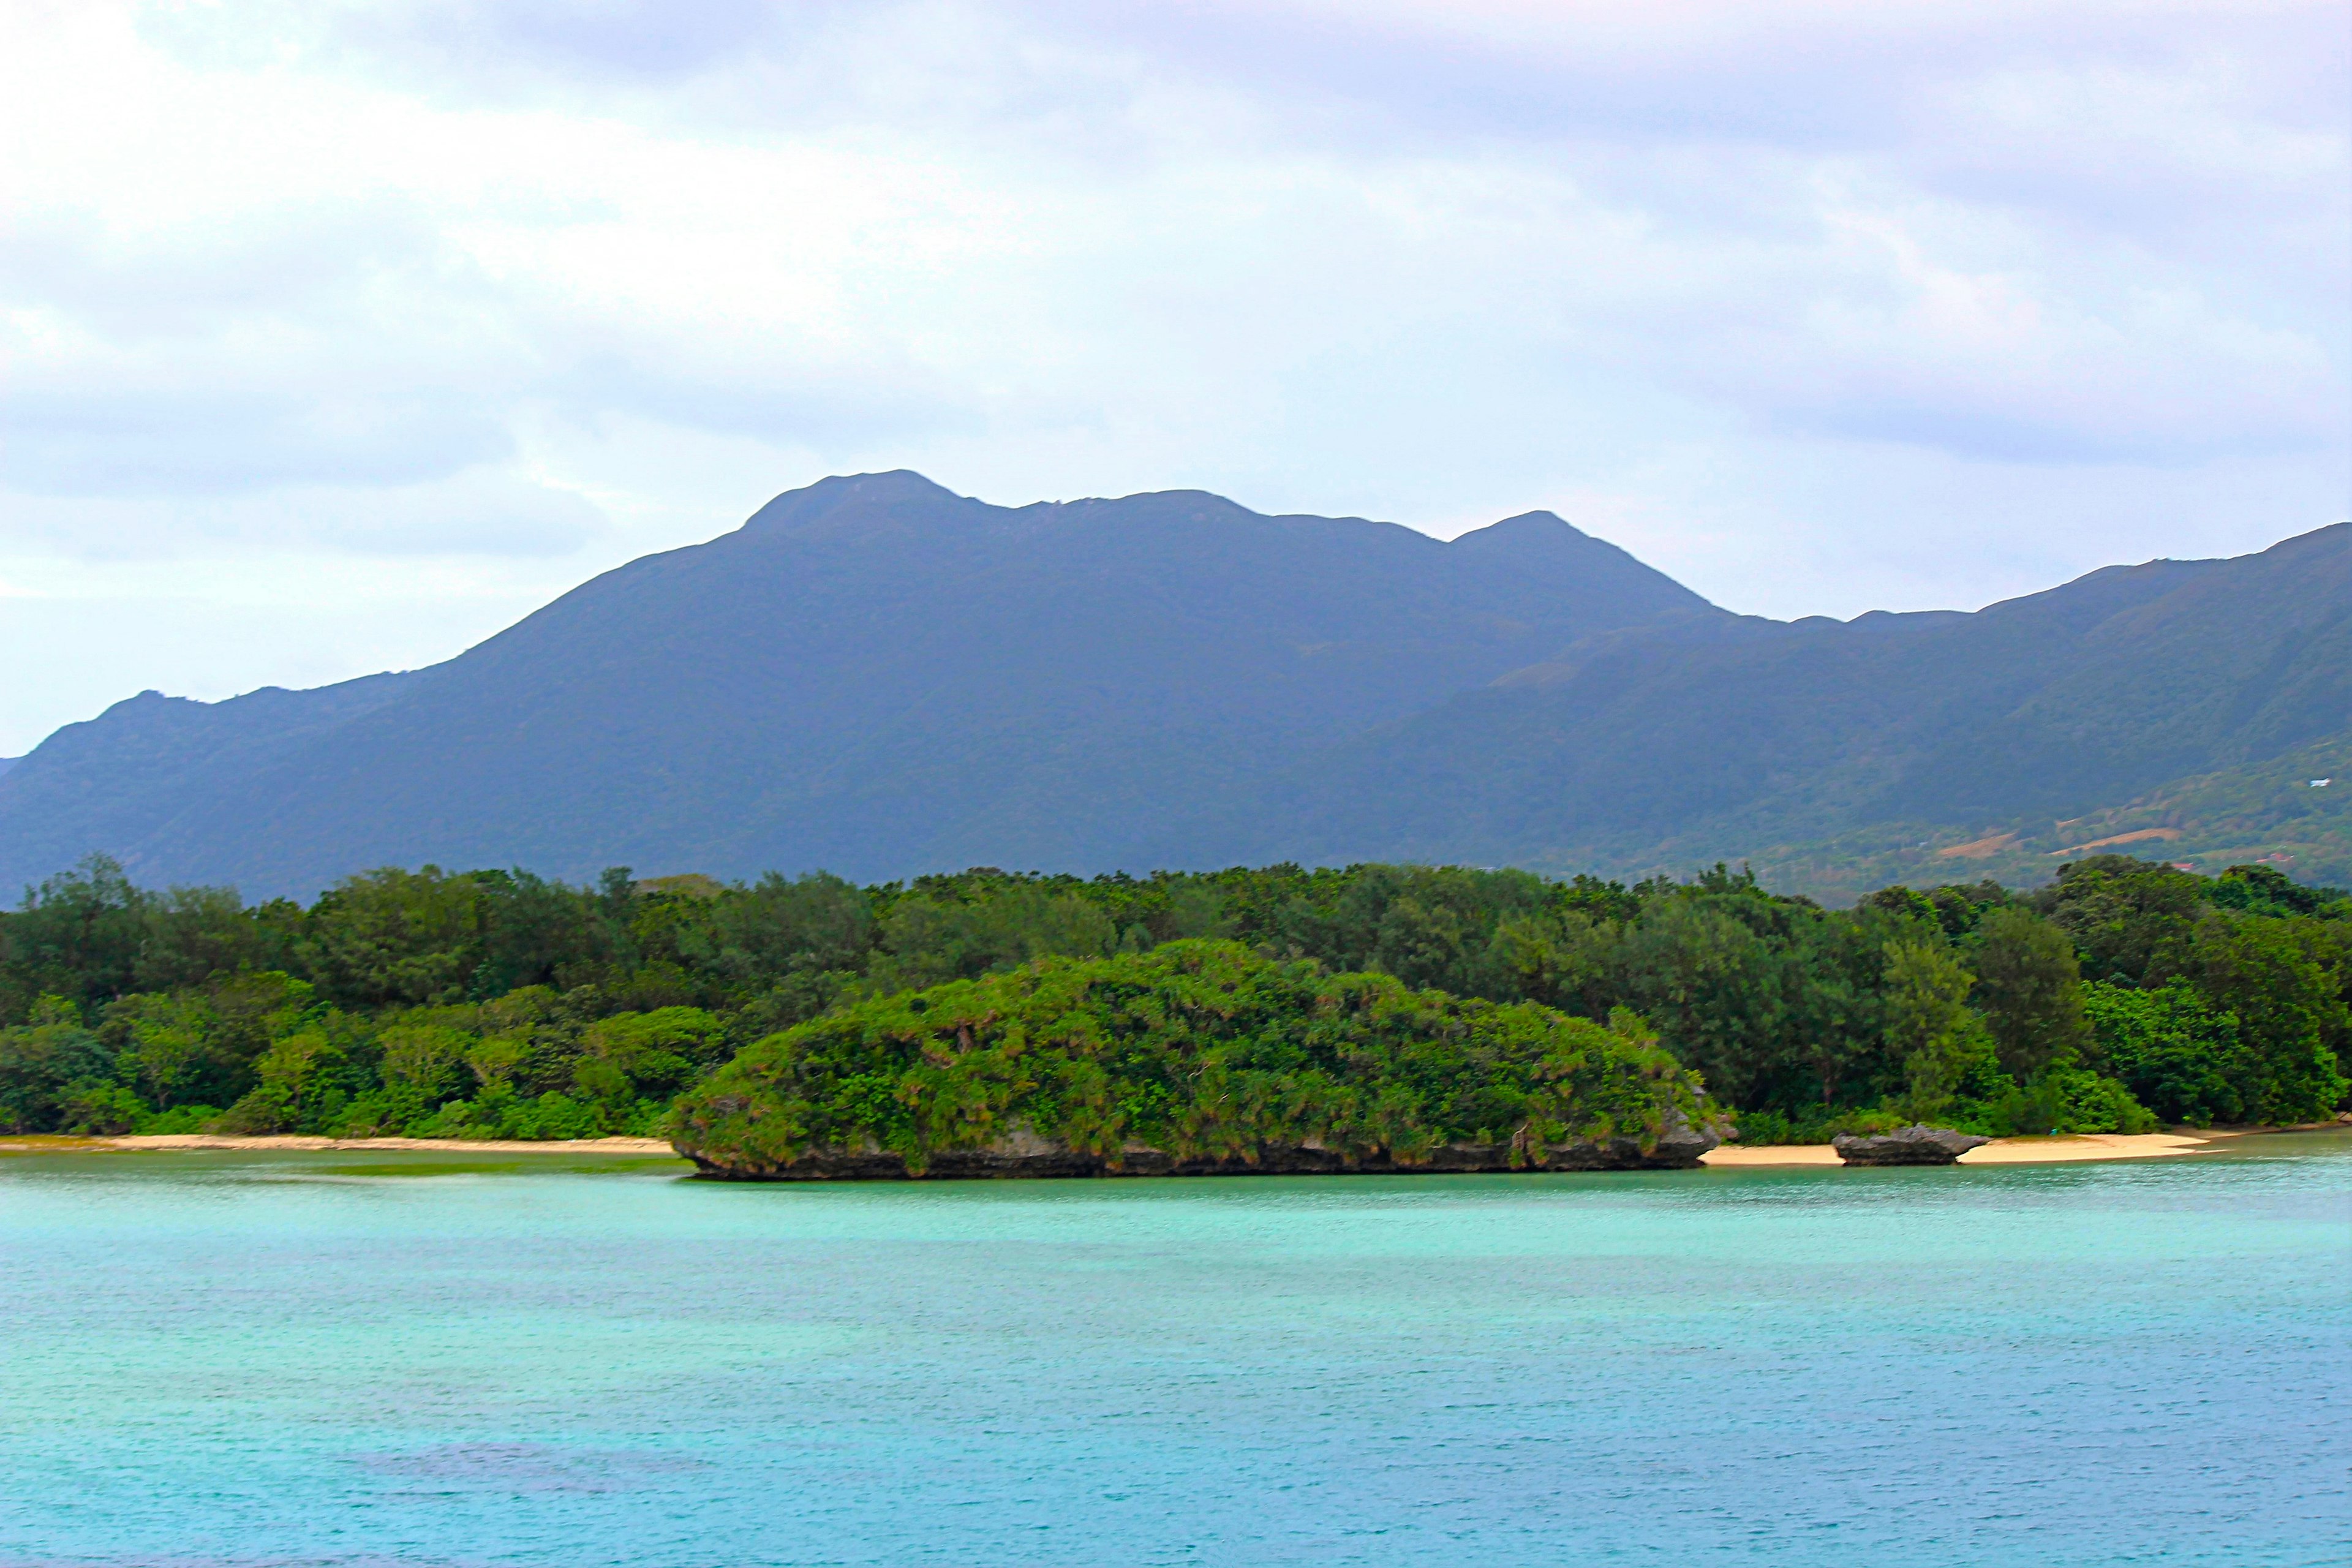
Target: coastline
(2052, 1149)
(183, 1142)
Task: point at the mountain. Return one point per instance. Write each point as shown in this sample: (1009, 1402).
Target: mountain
(1769, 741)
(872, 675)
(878, 677)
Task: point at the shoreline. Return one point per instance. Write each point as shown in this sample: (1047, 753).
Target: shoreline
(2048, 1149)
(2058, 1148)
(181, 1142)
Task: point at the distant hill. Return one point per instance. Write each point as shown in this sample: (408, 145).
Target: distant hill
(880, 677)
(872, 675)
(2177, 697)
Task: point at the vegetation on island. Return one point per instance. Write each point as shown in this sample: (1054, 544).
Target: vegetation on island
(1198, 1049)
(1394, 1004)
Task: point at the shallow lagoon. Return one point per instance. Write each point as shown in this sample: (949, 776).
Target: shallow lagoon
(230, 1358)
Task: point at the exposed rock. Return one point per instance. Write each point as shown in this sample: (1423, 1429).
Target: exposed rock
(1023, 1153)
(1914, 1146)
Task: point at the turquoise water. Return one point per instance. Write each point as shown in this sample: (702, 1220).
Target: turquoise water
(221, 1359)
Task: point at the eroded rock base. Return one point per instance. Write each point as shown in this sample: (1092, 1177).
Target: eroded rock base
(1678, 1150)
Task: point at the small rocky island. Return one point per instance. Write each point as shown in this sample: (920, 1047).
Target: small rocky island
(1023, 1153)
(1195, 1058)
(1912, 1146)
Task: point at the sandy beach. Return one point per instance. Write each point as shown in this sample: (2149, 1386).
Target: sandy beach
(1999, 1152)
(462, 1145)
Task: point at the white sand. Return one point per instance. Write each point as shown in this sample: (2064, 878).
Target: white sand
(1999, 1152)
(470, 1145)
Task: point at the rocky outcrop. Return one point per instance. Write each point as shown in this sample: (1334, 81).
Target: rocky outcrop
(1914, 1146)
(1026, 1154)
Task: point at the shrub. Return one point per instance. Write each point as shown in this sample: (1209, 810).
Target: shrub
(2063, 1100)
(96, 1109)
(180, 1119)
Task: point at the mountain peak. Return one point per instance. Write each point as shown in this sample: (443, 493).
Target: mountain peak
(1552, 549)
(1540, 530)
(1537, 521)
(882, 493)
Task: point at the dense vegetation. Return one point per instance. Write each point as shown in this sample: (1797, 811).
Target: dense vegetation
(428, 1002)
(1199, 1050)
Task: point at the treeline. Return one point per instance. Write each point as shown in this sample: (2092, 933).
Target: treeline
(500, 1003)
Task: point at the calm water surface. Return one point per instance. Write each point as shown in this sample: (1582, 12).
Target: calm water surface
(342, 1359)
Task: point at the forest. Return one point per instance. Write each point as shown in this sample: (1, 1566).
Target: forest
(2123, 995)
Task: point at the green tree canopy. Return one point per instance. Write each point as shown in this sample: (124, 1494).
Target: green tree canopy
(1196, 1048)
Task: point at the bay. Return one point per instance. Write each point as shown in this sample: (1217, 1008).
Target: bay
(333, 1358)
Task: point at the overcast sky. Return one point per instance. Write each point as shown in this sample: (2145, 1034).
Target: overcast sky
(335, 337)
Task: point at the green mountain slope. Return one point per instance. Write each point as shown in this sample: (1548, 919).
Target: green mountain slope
(2268, 812)
(1827, 753)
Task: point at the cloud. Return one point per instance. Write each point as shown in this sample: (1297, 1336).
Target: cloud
(109, 435)
(478, 512)
(656, 39)
(1883, 334)
(463, 280)
(1825, 217)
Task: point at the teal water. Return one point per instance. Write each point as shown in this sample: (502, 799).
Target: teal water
(220, 1358)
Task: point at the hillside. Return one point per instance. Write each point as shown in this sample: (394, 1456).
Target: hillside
(880, 677)
(2180, 696)
(871, 675)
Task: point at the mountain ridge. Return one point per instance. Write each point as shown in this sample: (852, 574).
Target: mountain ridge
(875, 656)
(879, 676)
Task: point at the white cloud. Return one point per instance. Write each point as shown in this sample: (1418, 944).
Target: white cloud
(511, 291)
(489, 512)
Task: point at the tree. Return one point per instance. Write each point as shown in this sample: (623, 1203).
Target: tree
(43, 1062)
(1569, 960)
(927, 940)
(2274, 975)
(2176, 1055)
(78, 936)
(194, 935)
(2128, 918)
(394, 937)
(807, 925)
(2029, 986)
(1929, 1027)
(532, 932)
(164, 1047)
(422, 1061)
(298, 1082)
(655, 1053)
(1718, 992)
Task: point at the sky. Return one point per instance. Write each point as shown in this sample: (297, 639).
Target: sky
(335, 337)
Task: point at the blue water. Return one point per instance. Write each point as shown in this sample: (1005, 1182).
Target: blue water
(331, 1358)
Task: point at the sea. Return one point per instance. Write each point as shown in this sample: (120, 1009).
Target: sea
(244, 1358)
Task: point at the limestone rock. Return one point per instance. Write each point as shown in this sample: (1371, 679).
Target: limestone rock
(1912, 1146)
(1023, 1153)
